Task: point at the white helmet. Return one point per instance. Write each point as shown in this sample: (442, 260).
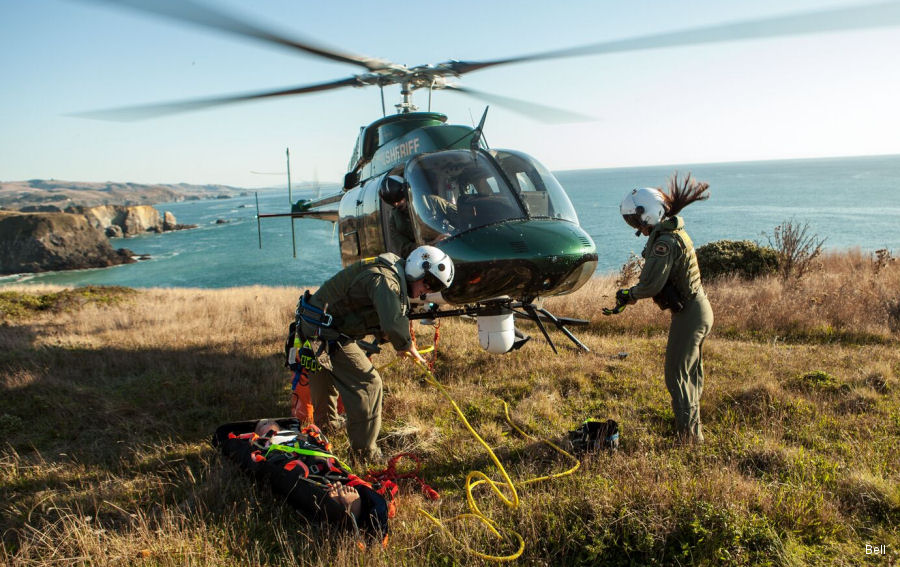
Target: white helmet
(643, 207)
(432, 264)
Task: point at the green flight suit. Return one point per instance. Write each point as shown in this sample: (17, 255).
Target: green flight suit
(400, 232)
(366, 298)
(669, 258)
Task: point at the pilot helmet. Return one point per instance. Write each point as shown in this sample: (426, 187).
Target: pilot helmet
(393, 189)
(432, 265)
(643, 207)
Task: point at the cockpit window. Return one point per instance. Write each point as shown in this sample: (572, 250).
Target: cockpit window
(537, 187)
(458, 190)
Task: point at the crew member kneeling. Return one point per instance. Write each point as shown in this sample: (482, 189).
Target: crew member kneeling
(369, 297)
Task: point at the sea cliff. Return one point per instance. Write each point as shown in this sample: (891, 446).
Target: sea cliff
(39, 242)
(117, 220)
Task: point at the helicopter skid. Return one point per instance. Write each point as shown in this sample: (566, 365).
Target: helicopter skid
(499, 315)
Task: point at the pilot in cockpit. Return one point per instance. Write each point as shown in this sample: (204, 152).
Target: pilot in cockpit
(393, 191)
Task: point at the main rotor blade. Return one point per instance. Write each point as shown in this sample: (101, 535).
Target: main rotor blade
(540, 112)
(140, 112)
(189, 11)
(839, 19)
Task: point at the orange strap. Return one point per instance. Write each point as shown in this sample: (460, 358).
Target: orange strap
(437, 337)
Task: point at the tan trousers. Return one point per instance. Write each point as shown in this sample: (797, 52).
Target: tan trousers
(349, 372)
(684, 364)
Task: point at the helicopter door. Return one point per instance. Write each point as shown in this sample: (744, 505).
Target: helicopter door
(350, 226)
(372, 241)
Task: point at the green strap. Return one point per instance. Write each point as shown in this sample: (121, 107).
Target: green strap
(308, 452)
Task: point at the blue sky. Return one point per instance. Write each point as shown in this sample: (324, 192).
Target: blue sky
(819, 95)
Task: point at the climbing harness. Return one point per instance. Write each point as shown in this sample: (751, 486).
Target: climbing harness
(308, 312)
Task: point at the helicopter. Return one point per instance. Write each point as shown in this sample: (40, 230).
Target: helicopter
(499, 214)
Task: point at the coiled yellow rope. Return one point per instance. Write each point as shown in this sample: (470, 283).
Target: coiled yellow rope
(476, 478)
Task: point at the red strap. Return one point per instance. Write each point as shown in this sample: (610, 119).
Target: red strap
(389, 488)
(437, 337)
(316, 435)
(250, 435)
(291, 465)
(353, 480)
(257, 457)
(312, 430)
(388, 477)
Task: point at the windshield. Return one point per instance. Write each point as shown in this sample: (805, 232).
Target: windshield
(458, 190)
(537, 187)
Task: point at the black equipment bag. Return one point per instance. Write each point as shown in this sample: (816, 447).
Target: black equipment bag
(595, 434)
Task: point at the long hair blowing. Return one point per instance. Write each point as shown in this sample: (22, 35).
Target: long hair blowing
(680, 193)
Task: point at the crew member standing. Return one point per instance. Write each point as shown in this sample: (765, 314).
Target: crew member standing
(369, 297)
(671, 277)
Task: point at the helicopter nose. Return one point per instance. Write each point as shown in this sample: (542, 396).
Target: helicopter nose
(529, 258)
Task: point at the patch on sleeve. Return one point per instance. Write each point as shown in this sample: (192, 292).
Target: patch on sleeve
(661, 249)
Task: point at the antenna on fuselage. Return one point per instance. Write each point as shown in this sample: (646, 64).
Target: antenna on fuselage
(479, 131)
(287, 153)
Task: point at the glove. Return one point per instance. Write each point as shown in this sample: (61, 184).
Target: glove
(615, 310)
(623, 298)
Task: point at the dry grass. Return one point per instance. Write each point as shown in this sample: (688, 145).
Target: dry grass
(849, 296)
(109, 402)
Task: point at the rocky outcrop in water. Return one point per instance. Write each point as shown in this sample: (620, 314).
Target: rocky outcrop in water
(39, 242)
(118, 220)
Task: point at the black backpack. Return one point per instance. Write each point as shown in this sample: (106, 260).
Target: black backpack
(595, 434)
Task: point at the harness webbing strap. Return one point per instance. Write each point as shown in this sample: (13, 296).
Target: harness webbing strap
(308, 452)
(322, 319)
(250, 436)
(291, 465)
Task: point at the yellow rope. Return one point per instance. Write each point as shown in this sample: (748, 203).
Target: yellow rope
(512, 503)
(381, 369)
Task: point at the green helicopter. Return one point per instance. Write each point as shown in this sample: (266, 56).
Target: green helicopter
(507, 223)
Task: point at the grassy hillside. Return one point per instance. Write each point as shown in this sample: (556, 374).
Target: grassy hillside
(110, 396)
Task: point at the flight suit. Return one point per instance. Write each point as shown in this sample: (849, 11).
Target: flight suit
(400, 231)
(366, 298)
(671, 274)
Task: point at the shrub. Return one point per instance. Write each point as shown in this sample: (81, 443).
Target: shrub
(795, 247)
(14, 304)
(630, 271)
(739, 257)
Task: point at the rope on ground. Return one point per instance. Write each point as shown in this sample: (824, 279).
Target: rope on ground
(476, 478)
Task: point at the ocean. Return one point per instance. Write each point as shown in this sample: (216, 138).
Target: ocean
(850, 202)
